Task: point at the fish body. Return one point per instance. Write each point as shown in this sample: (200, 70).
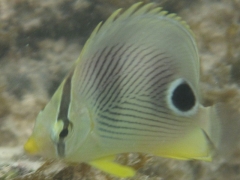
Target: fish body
(134, 88)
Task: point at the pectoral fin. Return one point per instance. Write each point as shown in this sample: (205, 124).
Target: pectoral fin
(107, 165)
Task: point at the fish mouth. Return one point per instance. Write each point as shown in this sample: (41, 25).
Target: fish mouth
(31, 146)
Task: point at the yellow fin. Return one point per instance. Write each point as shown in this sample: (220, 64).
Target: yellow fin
(107, 165)
(194, 146)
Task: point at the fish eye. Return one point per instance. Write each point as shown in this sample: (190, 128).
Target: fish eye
(181, 98)
(63, 133)
(66, 130)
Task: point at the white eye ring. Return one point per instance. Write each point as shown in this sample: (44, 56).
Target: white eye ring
(175, 93)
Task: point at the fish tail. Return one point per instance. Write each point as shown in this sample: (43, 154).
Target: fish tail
(211, 124)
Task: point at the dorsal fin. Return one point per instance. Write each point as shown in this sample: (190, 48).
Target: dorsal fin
(134, 11)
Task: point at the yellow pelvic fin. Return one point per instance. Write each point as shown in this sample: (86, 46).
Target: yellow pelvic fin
(31, 146)
(107, 165)
(194, 145)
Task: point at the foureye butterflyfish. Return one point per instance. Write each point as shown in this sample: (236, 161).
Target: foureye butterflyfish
(134, 88)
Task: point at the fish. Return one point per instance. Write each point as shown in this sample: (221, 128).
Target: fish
(133, 89)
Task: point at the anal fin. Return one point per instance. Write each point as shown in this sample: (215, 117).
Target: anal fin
(195, 145)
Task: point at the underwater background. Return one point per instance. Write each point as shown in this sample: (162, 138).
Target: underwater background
(40, 40)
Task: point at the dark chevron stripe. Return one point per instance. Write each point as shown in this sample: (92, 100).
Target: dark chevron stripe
(130, 133)
(108, 63)
(113, 84)
(92, 73)
(116, 119)
(115, 89)
(126, 86)
(134, 129)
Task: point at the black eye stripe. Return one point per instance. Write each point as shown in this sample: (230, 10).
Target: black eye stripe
(63, 133)
(65, 100)
(63, 114)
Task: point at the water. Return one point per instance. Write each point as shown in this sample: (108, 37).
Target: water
(39, 41)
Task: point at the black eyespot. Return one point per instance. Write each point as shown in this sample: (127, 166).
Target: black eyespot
(63, 133)
(183, 97)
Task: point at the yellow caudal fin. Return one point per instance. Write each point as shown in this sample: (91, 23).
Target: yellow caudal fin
(194, 145)
(107, 165)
